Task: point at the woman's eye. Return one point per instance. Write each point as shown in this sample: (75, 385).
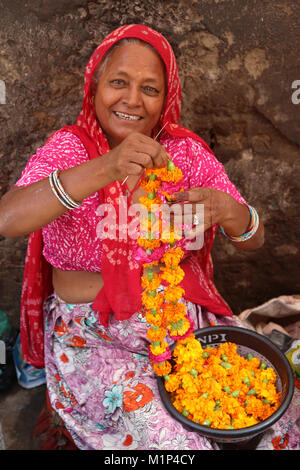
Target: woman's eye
(118, 82)
(151, 90)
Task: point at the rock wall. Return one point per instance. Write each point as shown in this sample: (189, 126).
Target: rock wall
(238, 63)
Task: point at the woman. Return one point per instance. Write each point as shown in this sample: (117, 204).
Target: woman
(99, 378)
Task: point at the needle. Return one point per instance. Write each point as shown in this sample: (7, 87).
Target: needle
(124, 181)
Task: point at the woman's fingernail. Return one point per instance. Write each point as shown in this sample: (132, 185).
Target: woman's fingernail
(182, 196)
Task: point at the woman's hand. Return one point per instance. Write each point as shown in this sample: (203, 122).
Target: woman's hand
(222, 209)
(217, 204)
(135, 153)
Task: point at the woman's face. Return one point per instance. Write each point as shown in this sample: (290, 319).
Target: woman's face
(130, 93)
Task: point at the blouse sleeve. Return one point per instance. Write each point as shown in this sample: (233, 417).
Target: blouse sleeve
(207, 171)
(63, 150)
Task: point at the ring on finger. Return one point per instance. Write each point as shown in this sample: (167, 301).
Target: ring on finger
(196, 220)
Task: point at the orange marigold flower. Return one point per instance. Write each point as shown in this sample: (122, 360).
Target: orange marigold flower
(155, 333)
(174, 312)
(155, 320)
(170, 176)
(149, 203)
(150, 185)
(162, 369)
(153, 284)
(173, 257)
(173, 382)
(149, 244)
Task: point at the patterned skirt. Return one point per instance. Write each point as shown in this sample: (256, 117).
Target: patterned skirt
(101, 384)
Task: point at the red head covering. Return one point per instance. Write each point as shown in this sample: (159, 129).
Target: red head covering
(121, 294)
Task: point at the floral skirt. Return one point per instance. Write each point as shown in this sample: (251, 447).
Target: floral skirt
(102, 386)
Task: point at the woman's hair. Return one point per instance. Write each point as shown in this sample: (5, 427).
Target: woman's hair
(103, 63)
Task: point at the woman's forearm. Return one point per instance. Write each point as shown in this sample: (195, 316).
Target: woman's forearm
(26, 209)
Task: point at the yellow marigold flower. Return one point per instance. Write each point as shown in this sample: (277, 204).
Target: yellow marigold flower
(172, 276)
(158, 349)
(152, 302)
(173, 382)
(190, 387)
(173, 293)
(170, 236)
(179, 328)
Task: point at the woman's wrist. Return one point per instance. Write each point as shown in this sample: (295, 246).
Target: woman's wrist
(243, 227)
(236, 218)
(86, 179)
(250, 231)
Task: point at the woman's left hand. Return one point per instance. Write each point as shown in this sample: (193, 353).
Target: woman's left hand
(222, 209)
(217, 204)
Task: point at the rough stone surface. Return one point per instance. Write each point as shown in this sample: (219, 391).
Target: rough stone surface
(237, 62)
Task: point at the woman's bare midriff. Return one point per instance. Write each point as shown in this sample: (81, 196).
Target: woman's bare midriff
(76, 287)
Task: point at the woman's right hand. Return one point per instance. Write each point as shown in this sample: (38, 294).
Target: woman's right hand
(133, 155)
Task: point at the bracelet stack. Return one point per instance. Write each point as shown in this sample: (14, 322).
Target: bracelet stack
(60, 192)
(254, 223)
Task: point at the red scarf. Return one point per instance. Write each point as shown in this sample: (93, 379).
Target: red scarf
(121, 294)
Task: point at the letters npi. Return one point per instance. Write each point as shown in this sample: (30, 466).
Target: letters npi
(221, 337)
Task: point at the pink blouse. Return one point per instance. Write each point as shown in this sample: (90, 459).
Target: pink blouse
(70, 241)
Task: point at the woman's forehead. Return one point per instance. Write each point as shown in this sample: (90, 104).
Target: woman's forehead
(136, 57)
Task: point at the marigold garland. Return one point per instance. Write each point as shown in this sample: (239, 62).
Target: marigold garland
(164, 313)
(215, 387)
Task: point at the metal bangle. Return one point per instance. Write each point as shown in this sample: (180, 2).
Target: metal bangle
(254, 223)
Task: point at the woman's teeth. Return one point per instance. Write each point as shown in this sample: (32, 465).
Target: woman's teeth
(129, 117)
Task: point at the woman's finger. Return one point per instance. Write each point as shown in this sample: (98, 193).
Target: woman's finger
(192, 195)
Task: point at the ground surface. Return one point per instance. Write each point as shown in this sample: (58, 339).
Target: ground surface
(19, 409)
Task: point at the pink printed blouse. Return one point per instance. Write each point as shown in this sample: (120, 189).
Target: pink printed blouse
(70, 241)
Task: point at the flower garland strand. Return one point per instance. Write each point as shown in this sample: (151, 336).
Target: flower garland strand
(165, 314)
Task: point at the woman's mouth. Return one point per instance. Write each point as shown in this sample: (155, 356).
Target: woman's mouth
(127, 117)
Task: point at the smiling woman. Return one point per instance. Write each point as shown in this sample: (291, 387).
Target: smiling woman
(130, 94)
(81, 310)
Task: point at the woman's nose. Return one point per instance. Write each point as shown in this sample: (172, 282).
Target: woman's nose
(132, 96)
